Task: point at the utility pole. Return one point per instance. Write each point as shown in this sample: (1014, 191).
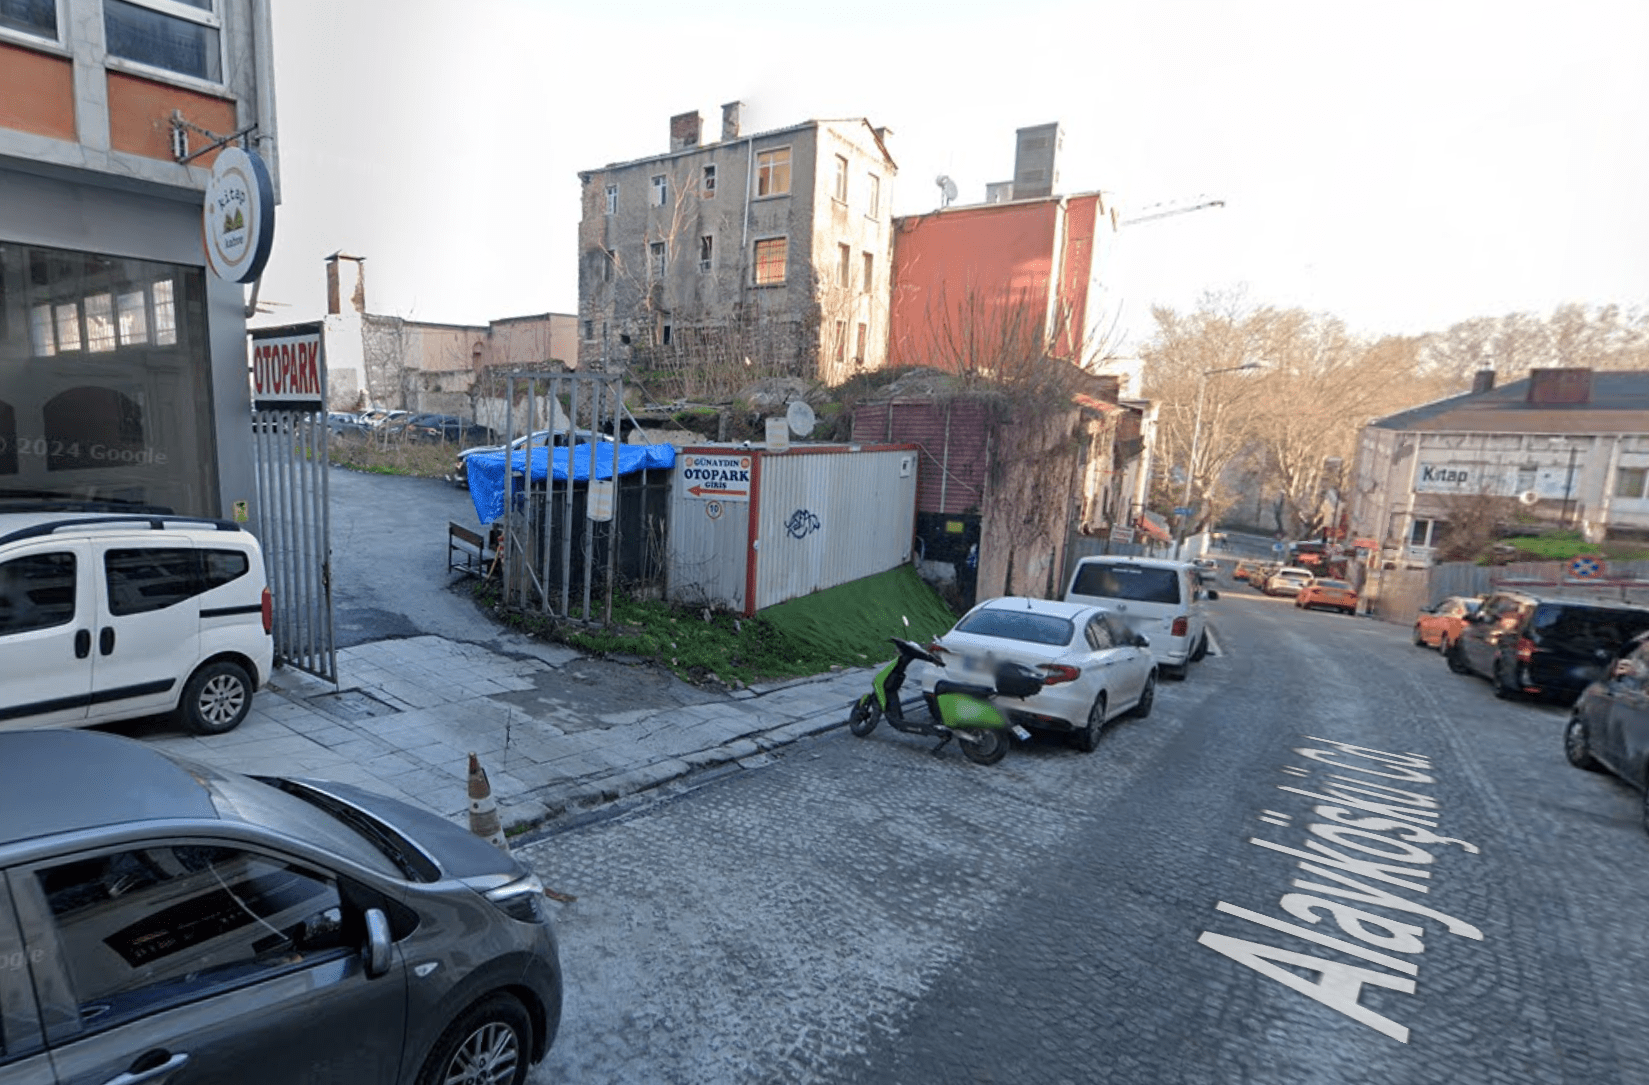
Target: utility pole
(1196, 439)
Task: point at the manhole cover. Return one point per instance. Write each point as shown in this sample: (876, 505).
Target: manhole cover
(351, 704)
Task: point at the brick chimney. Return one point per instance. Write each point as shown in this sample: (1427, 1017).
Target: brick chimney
(334, 288)
(685, 129)
(730, 120)
(1553, 387)
(1483, 381)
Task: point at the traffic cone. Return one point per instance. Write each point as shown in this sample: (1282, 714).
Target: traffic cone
(483, 814)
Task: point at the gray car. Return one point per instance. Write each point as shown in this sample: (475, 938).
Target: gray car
(161, 921)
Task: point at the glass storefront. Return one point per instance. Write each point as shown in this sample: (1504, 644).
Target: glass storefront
(105, 382)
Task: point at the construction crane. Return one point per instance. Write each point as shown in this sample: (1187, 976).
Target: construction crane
(1171, 207)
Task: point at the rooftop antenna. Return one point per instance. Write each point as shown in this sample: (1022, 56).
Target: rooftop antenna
(947, 190)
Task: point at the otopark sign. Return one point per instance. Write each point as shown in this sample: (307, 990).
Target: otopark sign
(719, 478)
(238, 216)
(288, 368)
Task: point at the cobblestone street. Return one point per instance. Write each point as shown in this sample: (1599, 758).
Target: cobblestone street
(861, 911)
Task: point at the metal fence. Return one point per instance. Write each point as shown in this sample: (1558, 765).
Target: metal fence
(1396, 595)
(289, 455)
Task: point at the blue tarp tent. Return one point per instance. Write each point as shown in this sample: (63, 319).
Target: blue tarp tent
(486, 471)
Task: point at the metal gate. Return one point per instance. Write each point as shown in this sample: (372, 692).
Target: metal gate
(540, 517)
(289, 454)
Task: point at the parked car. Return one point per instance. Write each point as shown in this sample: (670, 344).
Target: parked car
(1439, 625)
(1096, 668)
(1160, 600)
(1287, 580)
(1543, 647)
(1327, 594)
(1609, 725)
(180, 921)
(177, 608)
(1246, 570)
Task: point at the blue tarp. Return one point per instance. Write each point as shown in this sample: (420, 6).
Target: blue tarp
(486, 471)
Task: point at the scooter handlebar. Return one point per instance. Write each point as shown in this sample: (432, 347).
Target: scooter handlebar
(915, 651)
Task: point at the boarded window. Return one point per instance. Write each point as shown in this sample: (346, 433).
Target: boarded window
(770, 260)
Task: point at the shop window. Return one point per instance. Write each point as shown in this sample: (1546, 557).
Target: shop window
(8, 438)
(92, 427)
(30, 16)
(170, 37)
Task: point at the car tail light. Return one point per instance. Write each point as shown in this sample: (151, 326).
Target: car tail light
(268, 611)
(936, 648)
(1181, 626)
(1056, 673)
(1525, 649)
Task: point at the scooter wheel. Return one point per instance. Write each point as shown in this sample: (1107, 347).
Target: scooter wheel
(866, 712)
(985, 746)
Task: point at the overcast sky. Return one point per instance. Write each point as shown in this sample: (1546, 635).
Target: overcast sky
(1401, 165)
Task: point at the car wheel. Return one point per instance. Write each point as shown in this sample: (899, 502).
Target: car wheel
(1456, 658)
(1200, 653)
(487, 1045)
(1147, 698)
(1419, 641)
(984, 746)
(1577, 745)
(215, 699)
(1502, 689)
(1087, 739)
(866, 712)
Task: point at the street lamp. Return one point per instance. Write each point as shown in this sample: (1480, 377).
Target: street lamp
(1196, 439)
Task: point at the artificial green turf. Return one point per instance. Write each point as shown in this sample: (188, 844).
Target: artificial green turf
(851, 623)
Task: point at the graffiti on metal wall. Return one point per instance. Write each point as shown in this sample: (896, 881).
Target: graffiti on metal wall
(802, 524)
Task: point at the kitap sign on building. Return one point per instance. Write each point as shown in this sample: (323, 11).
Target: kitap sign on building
(238, 216)
(1493, 479)
(288, 368)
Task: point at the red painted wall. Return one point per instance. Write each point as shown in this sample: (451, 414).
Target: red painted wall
(950, 266)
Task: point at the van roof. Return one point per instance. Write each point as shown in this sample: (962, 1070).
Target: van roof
(26, 525)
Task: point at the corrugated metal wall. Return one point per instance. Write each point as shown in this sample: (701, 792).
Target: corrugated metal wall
(825, 516)
(1398, 594)
(826, 519)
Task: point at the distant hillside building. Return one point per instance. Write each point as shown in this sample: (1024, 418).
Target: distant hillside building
(769, 250)
(1562, 446)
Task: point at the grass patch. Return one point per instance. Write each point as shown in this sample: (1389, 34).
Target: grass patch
(844, 626)
(1563, 545)
(419, 459)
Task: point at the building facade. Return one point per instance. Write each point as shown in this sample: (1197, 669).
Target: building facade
(123, 371)
(767, 252)
(1562, 447)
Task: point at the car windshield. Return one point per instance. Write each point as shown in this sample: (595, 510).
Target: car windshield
(1585, 629)
(1137, 582)
(1021, 625)
(1340, 584)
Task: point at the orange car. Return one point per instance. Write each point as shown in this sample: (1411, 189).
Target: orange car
(1438, 626)
(1328, 594)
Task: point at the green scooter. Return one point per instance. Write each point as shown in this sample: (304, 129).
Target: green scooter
(956, 710)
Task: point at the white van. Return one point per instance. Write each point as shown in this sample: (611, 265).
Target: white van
(111, 616)
(1162, 600)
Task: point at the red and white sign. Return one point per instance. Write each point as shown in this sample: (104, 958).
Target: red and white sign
(288, 370)
(721, 478)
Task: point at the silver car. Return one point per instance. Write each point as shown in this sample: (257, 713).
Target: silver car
(164, 920)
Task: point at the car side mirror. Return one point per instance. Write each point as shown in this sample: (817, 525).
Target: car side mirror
(1212, 594)
(1141, 640)
(379, 951)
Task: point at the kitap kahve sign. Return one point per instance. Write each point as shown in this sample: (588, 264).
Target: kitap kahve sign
(288, 368)
(721, 478)
(238, 216)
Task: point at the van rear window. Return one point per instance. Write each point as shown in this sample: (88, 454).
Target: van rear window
(1134, 582)
(1586, 629)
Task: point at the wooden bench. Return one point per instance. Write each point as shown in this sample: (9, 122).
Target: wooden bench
(468, 551)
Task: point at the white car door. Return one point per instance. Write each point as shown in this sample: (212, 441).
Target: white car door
(1115, 661)
(148, 629)
(47, 611)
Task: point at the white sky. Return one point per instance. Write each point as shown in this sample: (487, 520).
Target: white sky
(1403, 165)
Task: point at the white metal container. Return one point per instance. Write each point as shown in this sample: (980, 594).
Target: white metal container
(786, 524)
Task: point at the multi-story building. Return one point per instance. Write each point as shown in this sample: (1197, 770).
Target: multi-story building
(767, 252)
(1562, 447)
(123, 361)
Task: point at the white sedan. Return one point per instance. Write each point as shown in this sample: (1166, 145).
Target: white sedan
(1094, 668)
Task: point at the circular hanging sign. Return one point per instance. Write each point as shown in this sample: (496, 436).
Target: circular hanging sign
(1586, 567)
(238, 218)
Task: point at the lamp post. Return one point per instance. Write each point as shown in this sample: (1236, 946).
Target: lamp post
(1569, 478)
(1196, 439)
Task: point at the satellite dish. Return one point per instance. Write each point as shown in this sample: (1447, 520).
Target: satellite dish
(1528, 497)
(947, 189)
(801, 419)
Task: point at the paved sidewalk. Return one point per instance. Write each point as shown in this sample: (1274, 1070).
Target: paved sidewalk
(407, 713)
